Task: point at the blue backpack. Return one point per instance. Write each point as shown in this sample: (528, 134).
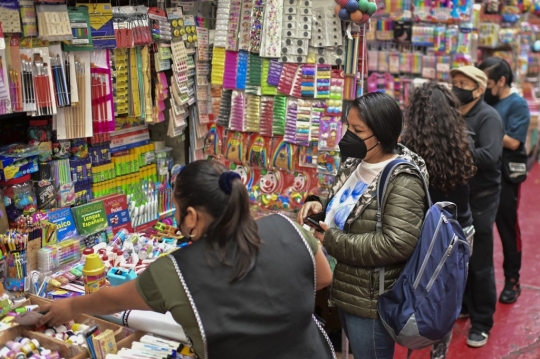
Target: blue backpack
(422, 306)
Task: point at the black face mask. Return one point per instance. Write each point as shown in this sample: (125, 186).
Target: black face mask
(464, 96)
(490, 98)
(353, 146)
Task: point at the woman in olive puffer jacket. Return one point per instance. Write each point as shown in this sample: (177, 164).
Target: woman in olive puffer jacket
(350, 235)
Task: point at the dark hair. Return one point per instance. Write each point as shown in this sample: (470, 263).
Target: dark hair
(383, 116)
(233, 236)
(496, 68)
(436, 130)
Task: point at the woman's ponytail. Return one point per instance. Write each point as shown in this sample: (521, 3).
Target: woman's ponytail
(233, 237)
(236, 227)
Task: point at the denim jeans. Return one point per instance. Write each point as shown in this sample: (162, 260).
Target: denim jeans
(368, 337)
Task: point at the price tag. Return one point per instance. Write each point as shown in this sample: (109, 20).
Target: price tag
(441, 67)
(428, 73)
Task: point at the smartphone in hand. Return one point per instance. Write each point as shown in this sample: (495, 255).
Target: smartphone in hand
(313, 221)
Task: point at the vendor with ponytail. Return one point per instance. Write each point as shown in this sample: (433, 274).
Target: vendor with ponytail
(244, 289)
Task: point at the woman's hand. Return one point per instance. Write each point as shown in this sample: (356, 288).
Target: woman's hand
(309, 209)
(320, 235)
(57, 313)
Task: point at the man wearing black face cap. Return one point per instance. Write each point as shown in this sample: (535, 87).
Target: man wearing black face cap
(486, 127)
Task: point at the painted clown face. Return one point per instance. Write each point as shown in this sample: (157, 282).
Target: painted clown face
(269, 182)
(300, 182)
(243, 172)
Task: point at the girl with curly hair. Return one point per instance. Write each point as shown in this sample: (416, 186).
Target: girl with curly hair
(436, 130)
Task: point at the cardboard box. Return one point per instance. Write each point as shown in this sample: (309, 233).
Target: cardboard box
(15, 167)
(66, 351)
(103, 325)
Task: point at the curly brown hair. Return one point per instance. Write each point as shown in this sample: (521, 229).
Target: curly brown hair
(436, 130)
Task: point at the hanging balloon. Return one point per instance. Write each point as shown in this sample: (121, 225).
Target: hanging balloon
(344, 14)
(357, 16)
(352, 6)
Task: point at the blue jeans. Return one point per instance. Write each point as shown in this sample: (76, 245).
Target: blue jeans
(368, 337)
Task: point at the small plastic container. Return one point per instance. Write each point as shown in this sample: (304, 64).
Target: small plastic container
(94, 274)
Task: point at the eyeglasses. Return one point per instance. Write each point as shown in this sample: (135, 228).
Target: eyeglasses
(463, 84)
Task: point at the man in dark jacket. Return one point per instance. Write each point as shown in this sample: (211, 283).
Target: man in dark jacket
(486, 126)
(516, 116)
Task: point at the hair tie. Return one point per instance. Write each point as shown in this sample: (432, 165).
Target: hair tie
(226, 180)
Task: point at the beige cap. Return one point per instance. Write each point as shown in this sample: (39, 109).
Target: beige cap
(473, 73)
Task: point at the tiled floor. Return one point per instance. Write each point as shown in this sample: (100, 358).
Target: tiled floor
(516, 334)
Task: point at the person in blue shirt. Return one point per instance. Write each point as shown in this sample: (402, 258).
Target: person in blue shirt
(515, 114)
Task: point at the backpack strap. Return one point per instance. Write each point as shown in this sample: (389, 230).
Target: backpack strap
(382, 184)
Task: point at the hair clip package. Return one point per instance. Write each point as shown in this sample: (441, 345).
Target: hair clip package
(303, 118)
(272, 29)
(259, 151)
(235, 146)
(254, 75)
(253, 108)
(224, 108)
(308, 81)
(335, 100)
(218, 65)
(257, 14)
(237, 119)
(279, 114)
(233, 25)
(328, 162)
(245, 25)
(242, 70)
(266, 115)
(231, 62)
(221, 30)
(274, 72)
(318, 108)
(283, 155)
(322, 83)
(267, 88)
(286, 80)
(290, 120)
(330, 133)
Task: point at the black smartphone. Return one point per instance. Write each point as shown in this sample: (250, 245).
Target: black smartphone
(313, 221)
